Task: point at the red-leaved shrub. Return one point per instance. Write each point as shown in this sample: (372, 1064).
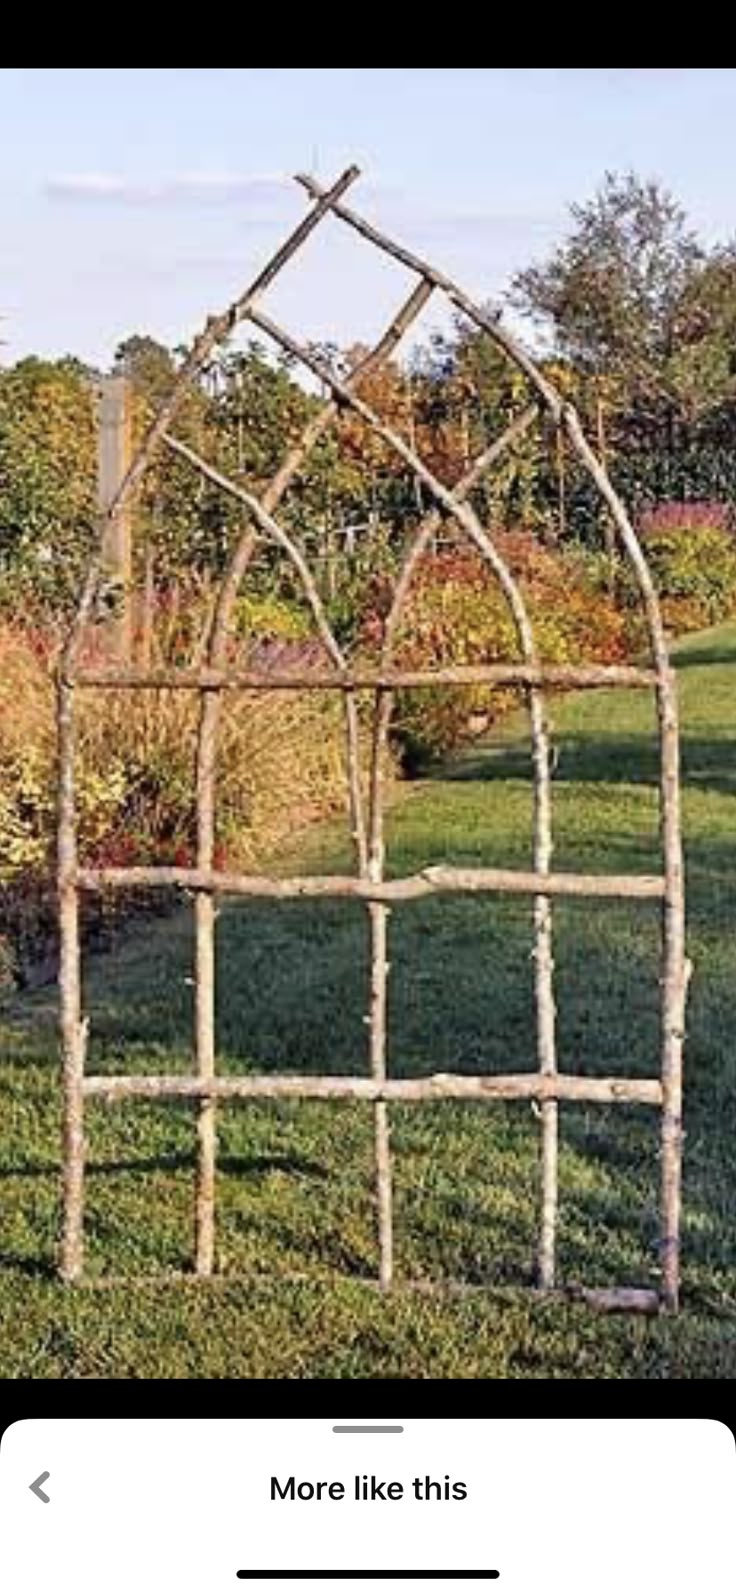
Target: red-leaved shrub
(456, 613)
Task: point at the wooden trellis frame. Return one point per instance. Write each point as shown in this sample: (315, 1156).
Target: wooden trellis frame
(547, 1086)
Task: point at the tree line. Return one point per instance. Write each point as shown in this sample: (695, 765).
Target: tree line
(632, 315)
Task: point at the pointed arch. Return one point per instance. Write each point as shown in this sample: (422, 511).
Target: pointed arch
(548, 1086)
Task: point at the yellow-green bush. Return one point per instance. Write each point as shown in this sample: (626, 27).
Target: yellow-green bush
(691, 552)
(692, 555)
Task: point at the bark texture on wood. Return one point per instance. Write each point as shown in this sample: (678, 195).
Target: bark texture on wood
(73, 1028)
(677, 970)
(433, 1087)
(378, 918)
(428, 882)
(646, 1302)
(354, 678)
(204, 989)
(114, 442)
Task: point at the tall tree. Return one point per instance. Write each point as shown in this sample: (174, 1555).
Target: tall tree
(611, 293)
(704, 360)
(150, 366)
(47, 475)
(612, 297)
(466, 393)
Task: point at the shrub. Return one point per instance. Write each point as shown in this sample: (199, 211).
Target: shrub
(360, 583)
(280, 765)
(457, 614)
(699, 515)
(270, 616)
(691, 552)
(692, 555)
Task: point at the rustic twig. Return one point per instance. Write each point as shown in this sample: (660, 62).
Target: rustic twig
(430, 524)
(378, 919)
(488, 322)
(438, 1086)
(644, 1302)
(216, 329)
(73, 1031)
(248, 542)
(675, 968)
(578, 677)
(204, 908)
(544, 996)
(436, 880)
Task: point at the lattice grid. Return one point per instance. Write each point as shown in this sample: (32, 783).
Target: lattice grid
(547, 1085)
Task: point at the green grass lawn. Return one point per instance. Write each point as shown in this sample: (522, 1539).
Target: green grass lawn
(296, 1242)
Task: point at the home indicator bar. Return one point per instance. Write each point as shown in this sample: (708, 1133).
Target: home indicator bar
(367, 1576)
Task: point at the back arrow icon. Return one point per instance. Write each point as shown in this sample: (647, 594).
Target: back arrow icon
(36, 1488)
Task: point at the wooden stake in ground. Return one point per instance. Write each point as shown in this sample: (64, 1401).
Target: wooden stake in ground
(114, 453)
(378, 917)
(73, 1032)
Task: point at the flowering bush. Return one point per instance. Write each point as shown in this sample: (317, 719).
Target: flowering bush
(691, 552)
(696, 516)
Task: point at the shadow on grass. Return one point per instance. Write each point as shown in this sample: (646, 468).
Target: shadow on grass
(579, 759)
(702, 657)
(293, 987)
(30, 1267)
(237, 1165)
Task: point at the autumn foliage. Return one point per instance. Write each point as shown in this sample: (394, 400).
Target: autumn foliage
(456, 613)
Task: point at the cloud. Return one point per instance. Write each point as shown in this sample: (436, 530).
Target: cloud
(487, 232)
(189, 188)
(485, 225)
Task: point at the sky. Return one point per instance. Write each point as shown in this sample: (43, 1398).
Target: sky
(142, 200)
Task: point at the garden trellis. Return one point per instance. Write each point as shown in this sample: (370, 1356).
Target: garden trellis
(547, 1086)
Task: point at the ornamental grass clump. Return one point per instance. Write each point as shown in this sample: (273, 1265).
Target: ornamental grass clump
(280, 765)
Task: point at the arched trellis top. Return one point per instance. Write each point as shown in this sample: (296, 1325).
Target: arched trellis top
(548, 1085)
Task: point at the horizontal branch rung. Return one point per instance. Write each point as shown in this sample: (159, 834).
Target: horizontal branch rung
(579, 675)
(438, 1086)
(429, 882)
